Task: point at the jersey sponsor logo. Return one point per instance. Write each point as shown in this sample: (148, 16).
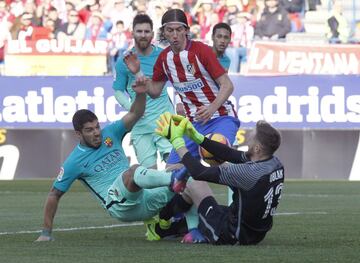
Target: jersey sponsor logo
(60, 174)
(189, 85)
(108, 162)
(108, 142)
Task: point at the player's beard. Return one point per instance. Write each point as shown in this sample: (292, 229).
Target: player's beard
(143, 43)
(94, 142)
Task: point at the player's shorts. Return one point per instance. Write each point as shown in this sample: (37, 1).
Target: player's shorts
(135, 206)
(146, 147)
(226, 125)
(216, 224)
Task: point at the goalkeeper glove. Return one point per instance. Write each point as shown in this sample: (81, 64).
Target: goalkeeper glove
(173, 131)
(190, 130)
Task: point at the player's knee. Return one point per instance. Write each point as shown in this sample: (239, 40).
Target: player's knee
(128, 179)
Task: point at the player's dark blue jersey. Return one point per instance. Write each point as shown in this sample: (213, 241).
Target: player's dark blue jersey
(257, 191)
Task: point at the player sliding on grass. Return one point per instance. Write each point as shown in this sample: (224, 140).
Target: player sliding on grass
(100, 163)
(256, 178)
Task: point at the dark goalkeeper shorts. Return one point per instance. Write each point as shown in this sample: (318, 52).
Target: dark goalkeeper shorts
(217, 224)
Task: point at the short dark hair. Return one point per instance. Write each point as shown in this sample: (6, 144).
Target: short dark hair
(142, 19)
(119, 22)
(221, 25)
(268, 137)
(81, 117)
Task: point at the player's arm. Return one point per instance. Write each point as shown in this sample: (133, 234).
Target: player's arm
(222, 79)
(137, 109)
(153, 88)
(50, 209)
(196, 169)
(121, 79)
(123, 99)
(226, 89)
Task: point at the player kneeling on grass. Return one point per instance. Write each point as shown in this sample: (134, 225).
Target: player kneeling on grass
(256, 177)
(127, 193)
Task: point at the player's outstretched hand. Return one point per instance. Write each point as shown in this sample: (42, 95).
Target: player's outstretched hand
(172, 130)
(190, 130)
(45, 236)
(132, 62)
(139, 85)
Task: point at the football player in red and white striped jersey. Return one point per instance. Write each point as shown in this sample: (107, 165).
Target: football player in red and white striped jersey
(197, 76)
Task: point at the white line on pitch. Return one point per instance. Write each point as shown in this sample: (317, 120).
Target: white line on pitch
(73, 228)
(133, 224)
(300, 213)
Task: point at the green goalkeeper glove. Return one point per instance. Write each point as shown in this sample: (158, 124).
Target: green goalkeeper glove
(173, 131)
(190, 130)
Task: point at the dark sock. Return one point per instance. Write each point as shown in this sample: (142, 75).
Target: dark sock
(176, 205)
(176, 229)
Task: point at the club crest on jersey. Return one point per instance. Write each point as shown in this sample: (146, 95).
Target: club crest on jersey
(190, 68)
(108, 142)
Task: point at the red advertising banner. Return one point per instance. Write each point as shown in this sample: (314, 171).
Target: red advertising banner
(274, 58)
(46, 57)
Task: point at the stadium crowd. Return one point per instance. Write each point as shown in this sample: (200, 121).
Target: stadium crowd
(110, 20)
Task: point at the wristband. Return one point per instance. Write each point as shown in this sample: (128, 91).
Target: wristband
(46, 233)
(178, 143)
(139, 74)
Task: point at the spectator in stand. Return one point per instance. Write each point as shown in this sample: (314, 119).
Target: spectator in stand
(195, 31)
(16, 8)
(118, 43)
(295, 9)
(202, 13)
(4, 13)
(4, 28)
(25, 30)
(68, 7)
(214, 20)
(233, 7)
(73, 29)
(86, 8)
(96, 28)
(338, 30)
(53, 15)
(30, 7)
(186, 7)
(243, 35)
(221, 9)
(50, 25)
(119, 10)
(274, 23)
(156, 11)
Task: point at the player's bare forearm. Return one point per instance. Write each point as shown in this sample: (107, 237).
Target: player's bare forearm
(50, 209)
(154, 88)
(138, 107)
(51, 205)
(226, 89)
(136, 111)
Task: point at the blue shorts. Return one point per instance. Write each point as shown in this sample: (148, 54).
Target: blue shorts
(226, 125)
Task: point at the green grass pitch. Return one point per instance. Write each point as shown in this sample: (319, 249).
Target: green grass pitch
(317, 221)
